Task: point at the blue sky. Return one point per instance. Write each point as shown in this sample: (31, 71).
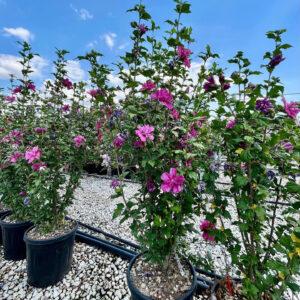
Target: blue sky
(78, 26)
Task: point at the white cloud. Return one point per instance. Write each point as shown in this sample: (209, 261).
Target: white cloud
(83, 13)
(19, 32)
(74, 70)
(9, 64)
(110, 39)
(123, 46)
(92, 44)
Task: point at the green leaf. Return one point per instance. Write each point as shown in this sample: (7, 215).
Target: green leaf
(293, 187)
(118, 210)
(240, 181)
(246, 156)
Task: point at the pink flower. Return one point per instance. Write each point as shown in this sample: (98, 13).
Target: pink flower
(33, 154)
(65, 107)
(31, 86)
(172, 181)
(288, 146)
(163, 97)
(10, 98)
(150, 186)
(17, 90)
(291, 108)
(22, 193)
(15, 157)
(79, 141)
(176, 115)
(66, 83)
(143, 132)
(184, 54)
(40, 130)
(118, 142)
(148, 86)
(230, 124)
(38, 166)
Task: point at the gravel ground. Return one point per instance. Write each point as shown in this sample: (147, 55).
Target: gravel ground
(95, 274)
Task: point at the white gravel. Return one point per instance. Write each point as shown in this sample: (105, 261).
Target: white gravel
(95, 274)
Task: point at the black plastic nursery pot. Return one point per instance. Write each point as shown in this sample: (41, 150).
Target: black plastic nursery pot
(12, 238)
(2, 213)
(48, 261)
(137, 295)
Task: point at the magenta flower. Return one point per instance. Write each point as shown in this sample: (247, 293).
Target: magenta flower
(114, 183)
(140, 144)
(38, 166)
(144, 132)
(209, 84)
(184, 54)
(150, 186)
(291, 108)
(95, 93)
(225, 86)
(17, 90)
(22, 193)
(33, 154)
(206, 226)
(163, 97)
(79, 141)
(65, 107)
(208, 237)
(277, 59)
(148, 86)
(176, 115)
(118, 142)
(193, 131)
(10, 98)
(31, 86)
(172, 182)
(15, 157)
(230, 124)
(143, 29)
(40, 130)
(288, 146)
(66, 83)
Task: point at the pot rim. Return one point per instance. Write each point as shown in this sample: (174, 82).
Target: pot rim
(188, 293)
(65, 236)
(10, 225)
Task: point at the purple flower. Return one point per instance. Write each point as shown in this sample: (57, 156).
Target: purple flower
(201, 186)
(26, 200)
(276, 60)
(288, 146)
(38, 166)
(150, 186)
(22, 193)
(118, 113)
(143, 29)
(65, 107)
(114, 183)
(214, 167)
(40, 130)
(31, 86)
(270, 175)
(227, 167)
(10, 98)
(66, 83)
(118, 142)
(17, 90)
(263, 105)
(210, 153)
(209, 84)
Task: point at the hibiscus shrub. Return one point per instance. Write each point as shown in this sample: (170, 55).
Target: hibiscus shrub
(157, 131)
(46, 140)
(259, 141)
